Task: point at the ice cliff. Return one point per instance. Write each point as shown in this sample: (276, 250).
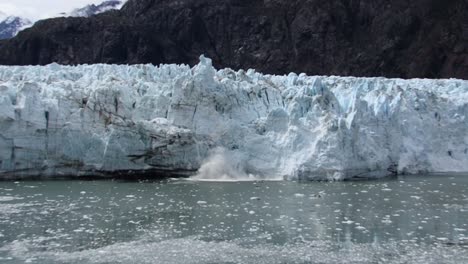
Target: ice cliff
(109, 120)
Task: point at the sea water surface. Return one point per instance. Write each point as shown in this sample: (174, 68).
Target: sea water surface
(417, 219)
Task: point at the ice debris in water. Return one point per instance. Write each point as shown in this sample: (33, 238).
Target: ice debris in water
(102, 119)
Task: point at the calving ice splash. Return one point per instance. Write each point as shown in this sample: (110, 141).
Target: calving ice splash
(224, 165)
(172, 119)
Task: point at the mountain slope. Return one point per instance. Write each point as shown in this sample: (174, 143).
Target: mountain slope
(397, 38)
(11, 25)
(93, 9)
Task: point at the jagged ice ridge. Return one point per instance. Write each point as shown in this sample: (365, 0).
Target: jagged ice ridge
(101, 120)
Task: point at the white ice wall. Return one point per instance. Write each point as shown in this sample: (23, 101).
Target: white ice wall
(100, 119)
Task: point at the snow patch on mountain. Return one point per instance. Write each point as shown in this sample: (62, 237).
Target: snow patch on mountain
(93, 9)
(107, 119)
(11, 25)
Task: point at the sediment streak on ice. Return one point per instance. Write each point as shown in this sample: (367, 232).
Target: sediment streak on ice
(100, 119)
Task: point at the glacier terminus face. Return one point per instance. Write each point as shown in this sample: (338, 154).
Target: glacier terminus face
(104, 120)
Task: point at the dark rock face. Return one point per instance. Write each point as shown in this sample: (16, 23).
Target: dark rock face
(392, 38)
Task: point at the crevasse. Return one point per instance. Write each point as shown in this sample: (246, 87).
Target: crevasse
(105, 120)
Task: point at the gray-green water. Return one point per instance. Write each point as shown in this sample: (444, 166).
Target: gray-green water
(404, 220)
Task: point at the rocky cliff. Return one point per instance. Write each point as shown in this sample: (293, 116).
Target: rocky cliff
(392, 38)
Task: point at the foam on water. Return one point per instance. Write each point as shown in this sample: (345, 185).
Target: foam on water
(197, 251)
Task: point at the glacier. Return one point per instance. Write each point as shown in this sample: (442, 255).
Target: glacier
(109, 120)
